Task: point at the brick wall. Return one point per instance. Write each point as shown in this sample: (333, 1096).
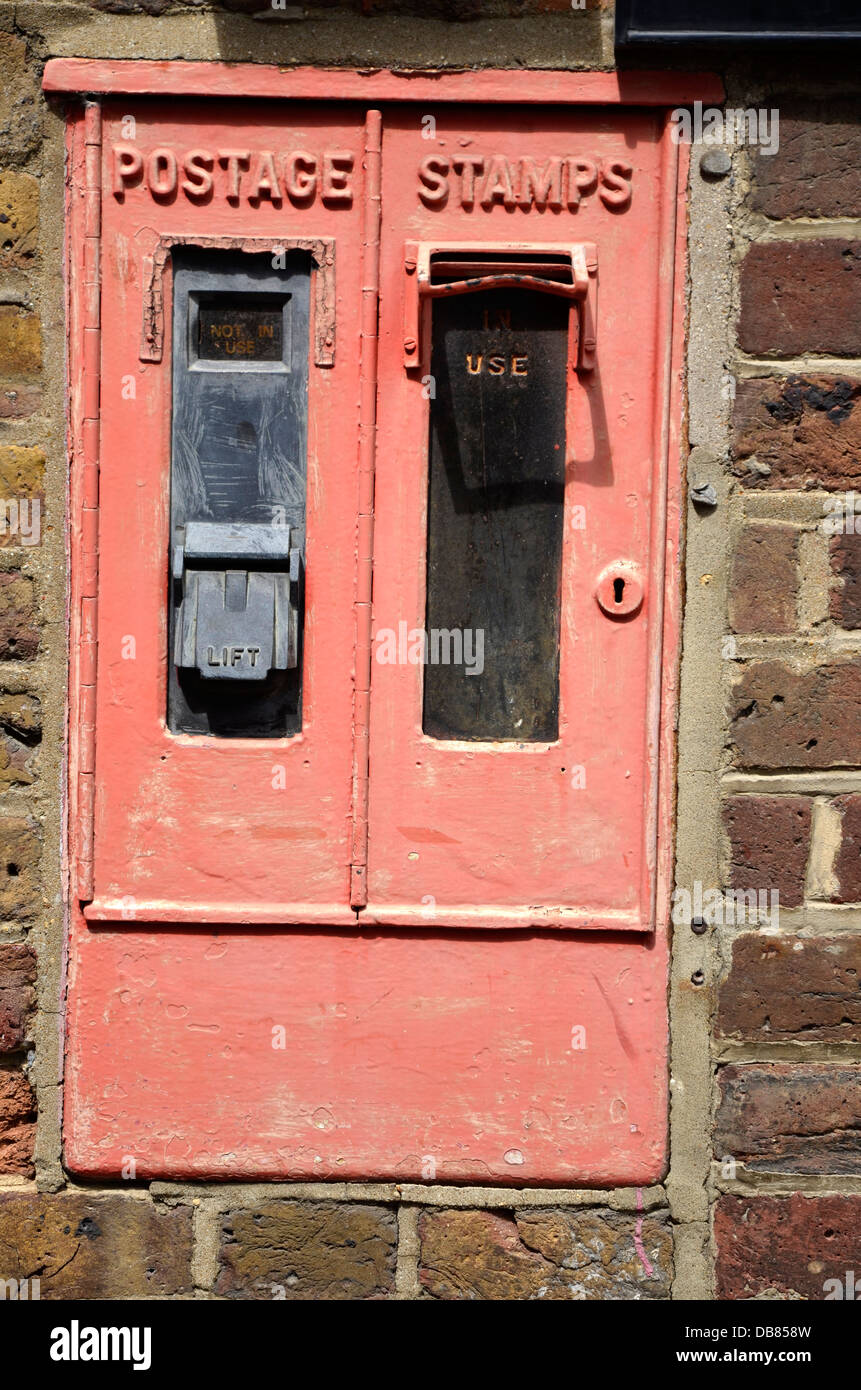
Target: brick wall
(761, 1198)
(25, 799)
(787, 1022)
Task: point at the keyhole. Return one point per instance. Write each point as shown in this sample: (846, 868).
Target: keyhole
(619, 591)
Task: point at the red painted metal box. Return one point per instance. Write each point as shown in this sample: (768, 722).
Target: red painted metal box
(374, 522)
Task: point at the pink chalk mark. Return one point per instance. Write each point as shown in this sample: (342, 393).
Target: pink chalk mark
(638, 1237)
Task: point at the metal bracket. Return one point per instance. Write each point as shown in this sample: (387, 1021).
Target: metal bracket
(439, 270)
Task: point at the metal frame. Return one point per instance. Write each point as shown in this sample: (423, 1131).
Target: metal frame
(241, 81)
(653, 34)
(355, 956)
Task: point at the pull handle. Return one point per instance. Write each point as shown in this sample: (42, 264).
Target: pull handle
(238, 615)
(436, 272)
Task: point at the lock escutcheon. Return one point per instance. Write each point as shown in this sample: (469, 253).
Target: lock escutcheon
(620, 589)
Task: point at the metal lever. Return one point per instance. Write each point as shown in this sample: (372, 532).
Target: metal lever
(238, 617)
(582, 259)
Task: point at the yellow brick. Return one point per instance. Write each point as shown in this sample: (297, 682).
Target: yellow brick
(22, 471)
(20, 342)
(19, 217)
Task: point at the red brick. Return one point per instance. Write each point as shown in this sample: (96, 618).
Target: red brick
(17, 1126)
(769, 844)
(785, 1118)
(17, 994)
(798, 432)
(816, 171)
(19, 631)
(779, 988)
(847, 863)
(89, 1246)
(788, 1244)
(20, 883)
(19, 402)
(781, 717)
(845, 600)
(801, 296)
(763, 588)
(585, 1253)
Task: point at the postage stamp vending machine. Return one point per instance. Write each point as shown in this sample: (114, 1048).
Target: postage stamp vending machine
(375, 401)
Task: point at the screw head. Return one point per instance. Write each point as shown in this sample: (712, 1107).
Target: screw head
(715, 164)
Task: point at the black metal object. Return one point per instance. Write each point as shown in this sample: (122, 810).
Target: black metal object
(238, 467)
(654, 22)
(495, 516)
(239, 613)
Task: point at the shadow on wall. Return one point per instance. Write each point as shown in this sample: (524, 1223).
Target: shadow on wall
(343, 32)
(357, 33)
